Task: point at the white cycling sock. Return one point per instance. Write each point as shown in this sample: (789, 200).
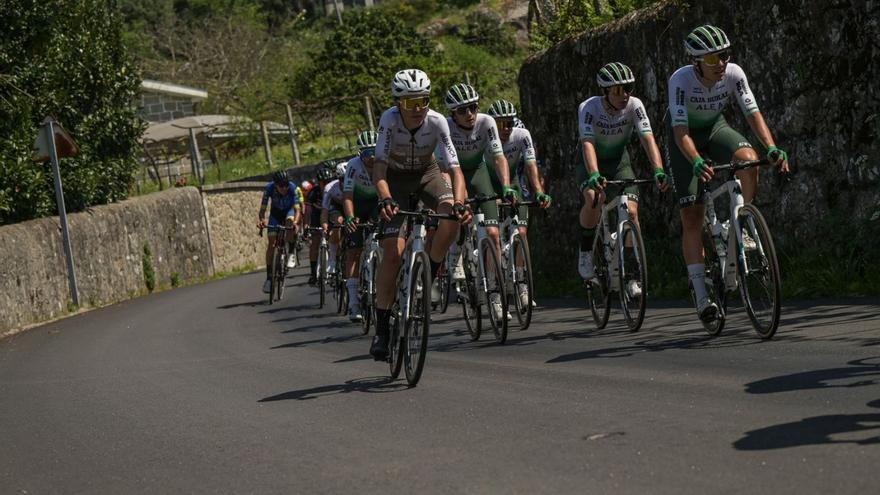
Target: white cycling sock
(697, 276)
(352, 285)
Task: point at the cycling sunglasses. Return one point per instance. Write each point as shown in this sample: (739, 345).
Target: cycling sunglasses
(368, 153)
(715, 58)
(472, 108)
(622, 89)
(282, 185)
(505, 123)
(413, 103)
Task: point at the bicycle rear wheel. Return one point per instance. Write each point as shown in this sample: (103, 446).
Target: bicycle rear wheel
(365, 295)
(715, 287)
(599, 287)
(495, 290)
(758, 273)
(633, 275)
(418, 322)
(445, 288)
(521, 270)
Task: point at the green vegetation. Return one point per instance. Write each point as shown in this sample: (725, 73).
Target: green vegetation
(149, 271)
(561, 19)
(74, 67)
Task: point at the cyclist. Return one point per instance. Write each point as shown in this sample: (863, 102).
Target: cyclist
(314, 203)
(606, 124)
(405, 166)
(359, 205)
(331, 211)
(698, 93)
(520, 153)
(476, 141)
(284, 210)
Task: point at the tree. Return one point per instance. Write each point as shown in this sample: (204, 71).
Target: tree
(65, 58)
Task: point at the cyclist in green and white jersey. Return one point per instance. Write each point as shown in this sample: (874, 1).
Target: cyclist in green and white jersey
(359, 205)
(477, 143)
(698, 94)
(606, 125)
(331, 211)
(409, 136)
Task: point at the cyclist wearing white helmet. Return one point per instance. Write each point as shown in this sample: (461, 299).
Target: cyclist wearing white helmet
(698, 93)
(606, 125)
(331, 211)
(409, 134)
(359, 205)
(477, 143)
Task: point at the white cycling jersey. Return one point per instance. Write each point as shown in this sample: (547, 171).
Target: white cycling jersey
(358, 181)
(611, 133)
(518, 148)
(332, 196)
(413, 151)
(477, 145)
(694, 105)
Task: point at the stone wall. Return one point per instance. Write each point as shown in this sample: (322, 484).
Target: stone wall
(812, 65)
(108, 246)
(232, 218)
(159, 107)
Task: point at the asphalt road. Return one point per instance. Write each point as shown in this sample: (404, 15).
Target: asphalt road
(206, 389)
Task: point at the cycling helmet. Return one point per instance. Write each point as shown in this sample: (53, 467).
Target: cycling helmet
(706, 39)
(280, 177)
(410, 82)
(461, 95)
(306, 186)
(367, 139)
(325, 173)
(614, 74)
(340, 169)
(502, 108)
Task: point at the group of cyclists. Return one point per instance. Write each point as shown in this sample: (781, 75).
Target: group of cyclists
(442, 160)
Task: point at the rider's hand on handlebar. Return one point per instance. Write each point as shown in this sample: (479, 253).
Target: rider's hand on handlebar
(596, 181)
(351, 224)
(779, 158)
(261, 224)
(544, 199)
(510, 194)
(462, 212)
(388, 208)
(703, 169)
(660, 179)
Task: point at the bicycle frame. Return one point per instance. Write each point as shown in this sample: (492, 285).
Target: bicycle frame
(611, 251)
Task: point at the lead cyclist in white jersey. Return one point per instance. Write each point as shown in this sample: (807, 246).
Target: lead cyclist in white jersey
(698, 93)
(409, 133)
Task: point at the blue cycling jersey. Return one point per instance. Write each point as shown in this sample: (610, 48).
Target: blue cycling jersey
(283, 205)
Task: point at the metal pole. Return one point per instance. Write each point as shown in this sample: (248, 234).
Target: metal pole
(62, 214)
(292, 132)
(467, 78)
(369, 113)
(338, 12)
(266, 145)
(195, 157)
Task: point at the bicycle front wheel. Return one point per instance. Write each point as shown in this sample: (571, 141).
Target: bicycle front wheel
(523, 287)
(395, 341)
(633, 275)
(273, 278)
(323, 259)
(470, 304)
(599, 287)
(758, 272)
(444, 285)
(496, 293)
(715, 286)
(418, 321)
(280, 273)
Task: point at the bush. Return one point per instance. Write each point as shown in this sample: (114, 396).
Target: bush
(65, 58)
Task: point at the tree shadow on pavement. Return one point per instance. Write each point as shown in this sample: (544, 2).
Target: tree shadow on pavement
(370, 385)
(278, 309)
(325, 340)
(858, 429)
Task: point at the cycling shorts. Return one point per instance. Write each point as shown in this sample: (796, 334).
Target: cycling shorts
(430, 186)
(717, 142)
(522, 212)
(479, 182)
(615, 168)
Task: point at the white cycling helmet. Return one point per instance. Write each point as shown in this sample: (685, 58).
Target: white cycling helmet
(410, 82)
(706, 39)
(340, 169)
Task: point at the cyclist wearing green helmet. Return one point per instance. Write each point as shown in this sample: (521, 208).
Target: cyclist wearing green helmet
(698, 133)
(325, 171)
(606, 125)
(360, 204)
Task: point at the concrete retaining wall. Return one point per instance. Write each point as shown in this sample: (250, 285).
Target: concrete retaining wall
(108, 246)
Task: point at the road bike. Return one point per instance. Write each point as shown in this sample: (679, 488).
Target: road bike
(279, 261)
(411, 310)
(323, 260)
(367, 268)
(745, 260)
(619, 261)
(516, 262)
(483, 284)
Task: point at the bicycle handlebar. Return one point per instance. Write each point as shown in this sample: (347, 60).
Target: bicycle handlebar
(742, 165)
(427, 214)
(271, 228)
(480, 199)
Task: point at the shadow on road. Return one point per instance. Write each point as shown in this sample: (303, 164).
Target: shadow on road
(260, 302)
(372, 385)
(818, 430)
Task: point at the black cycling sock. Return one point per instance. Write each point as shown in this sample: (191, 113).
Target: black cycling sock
(290, 247)
(435, 265)
(313, 265)
(587, 236)
(383, 320)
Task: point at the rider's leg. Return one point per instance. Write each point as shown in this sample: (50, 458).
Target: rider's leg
(386, 281)
(335, 238)
(749, 177)
(447, 230)
(589, 219)
(692, 248)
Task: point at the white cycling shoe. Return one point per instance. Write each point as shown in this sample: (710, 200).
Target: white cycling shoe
(585, 265)
(495, 307)
(291, 262)
(267, 286)
(707, 310)
(633, 289)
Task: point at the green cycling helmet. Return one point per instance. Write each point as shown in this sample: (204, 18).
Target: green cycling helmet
(502, 108)
(367, 139)
(461, 95)
(706, 39)
(614, 74)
